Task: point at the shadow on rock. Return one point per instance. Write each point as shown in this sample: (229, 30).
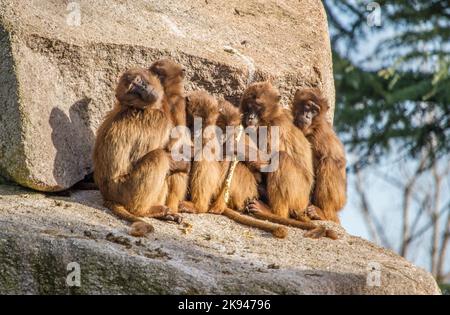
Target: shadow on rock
(74, 141)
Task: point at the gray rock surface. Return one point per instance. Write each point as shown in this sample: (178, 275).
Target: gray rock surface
(59, 62)
(41, 234)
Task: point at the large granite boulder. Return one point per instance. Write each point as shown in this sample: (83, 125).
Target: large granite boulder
(59, 62)
(72, 245)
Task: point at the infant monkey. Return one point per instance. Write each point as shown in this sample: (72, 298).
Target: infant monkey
(130, 161)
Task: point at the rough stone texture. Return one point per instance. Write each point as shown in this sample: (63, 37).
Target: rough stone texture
(57, 78)
(214, 255)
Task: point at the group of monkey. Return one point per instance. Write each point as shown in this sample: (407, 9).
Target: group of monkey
(138, 177)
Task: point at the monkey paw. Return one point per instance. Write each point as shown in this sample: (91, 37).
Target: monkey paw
(300, 215)
(256, 206)
(216, 210)
(313, 213)
(173, 217)
(186, 207)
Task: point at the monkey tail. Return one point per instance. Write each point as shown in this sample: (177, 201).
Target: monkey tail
(139, 227)
(314, 231)
(277, 231)
(284, 221)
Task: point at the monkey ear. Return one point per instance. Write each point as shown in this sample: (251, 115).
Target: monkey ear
(183, 73)
(157, 70)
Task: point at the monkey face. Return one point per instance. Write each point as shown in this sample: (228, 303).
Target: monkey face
(138, 88)
(305, 113)
(260, 104)
(308, 105)
(168, 71)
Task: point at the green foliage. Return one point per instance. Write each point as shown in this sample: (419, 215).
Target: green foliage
(404, 102)
(445, 288)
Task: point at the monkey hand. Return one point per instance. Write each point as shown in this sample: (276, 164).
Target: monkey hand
(255, 206)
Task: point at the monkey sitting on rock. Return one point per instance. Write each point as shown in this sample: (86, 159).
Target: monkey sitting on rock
(130, 160)
(138, 177)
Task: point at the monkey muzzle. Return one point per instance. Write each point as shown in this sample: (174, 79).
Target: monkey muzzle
(143, 90)
(251, 120)
(304, 121)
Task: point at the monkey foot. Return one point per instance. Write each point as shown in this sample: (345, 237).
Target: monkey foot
(216, 210)
(314, 213)
(186, 207)
(300, 215)
(255, 206)
(165, 213)
(173, 217)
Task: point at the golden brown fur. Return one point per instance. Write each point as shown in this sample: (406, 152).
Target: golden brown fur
(207, 176)
(289, 186)
(244, 184)
(130, 162)
(171, 76)
(309, 109)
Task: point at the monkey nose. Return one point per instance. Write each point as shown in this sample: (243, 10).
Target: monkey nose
(137, 80)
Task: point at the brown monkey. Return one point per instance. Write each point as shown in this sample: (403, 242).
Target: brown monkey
(309, 110)
(244, 183)
(208, 172)
(289, 186)
(130, 161)
(171, 75)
